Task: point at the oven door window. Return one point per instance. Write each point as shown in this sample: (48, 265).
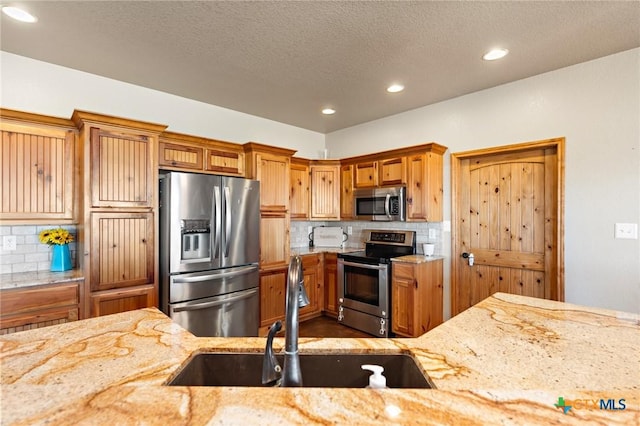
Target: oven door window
(362, 285)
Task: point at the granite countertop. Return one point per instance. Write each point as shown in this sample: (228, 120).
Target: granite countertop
(301, 251)
(416, 258)
(506, 360)
(35, 278)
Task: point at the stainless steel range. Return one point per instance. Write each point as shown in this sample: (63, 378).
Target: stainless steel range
(364, 280)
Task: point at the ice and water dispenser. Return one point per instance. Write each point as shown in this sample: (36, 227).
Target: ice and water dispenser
(196, 240)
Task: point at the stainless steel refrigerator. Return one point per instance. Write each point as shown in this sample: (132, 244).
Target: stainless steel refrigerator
(209, 253)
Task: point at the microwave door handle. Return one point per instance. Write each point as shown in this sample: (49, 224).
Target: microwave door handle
(227, 217)
(242, 295)
(387, 202)
(218, 219)
(365, 266)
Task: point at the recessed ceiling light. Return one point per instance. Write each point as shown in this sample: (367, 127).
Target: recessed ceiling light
(395, 88)
(494, 54)
(328, 111)
(19, 14)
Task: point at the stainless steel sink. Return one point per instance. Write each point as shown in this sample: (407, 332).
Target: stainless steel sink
(318, 370)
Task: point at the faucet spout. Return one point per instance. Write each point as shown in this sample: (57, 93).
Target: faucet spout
(296, 298)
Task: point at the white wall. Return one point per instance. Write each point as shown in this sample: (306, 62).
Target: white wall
(43, 88)
(596, 107)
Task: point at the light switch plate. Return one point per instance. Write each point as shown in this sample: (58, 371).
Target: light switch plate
(628, 231)
(432, 234)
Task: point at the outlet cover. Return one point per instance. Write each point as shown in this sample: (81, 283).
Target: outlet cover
(432, 234)
(8, 242)
(628, 231)
(349, 230)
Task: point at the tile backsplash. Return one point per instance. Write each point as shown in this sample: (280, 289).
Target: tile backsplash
(30, 254)
(300, 232)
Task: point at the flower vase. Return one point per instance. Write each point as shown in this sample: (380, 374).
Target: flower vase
(61, 258)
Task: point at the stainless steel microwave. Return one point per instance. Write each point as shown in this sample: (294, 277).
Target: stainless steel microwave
(381, 204)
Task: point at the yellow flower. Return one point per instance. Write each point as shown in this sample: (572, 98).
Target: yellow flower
(57, 236)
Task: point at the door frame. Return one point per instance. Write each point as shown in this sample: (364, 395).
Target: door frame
(457, 158)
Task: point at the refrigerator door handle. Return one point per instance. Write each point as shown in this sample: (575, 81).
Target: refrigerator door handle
(227, 214)
(234, 273)
(217, 222)
(222, 301)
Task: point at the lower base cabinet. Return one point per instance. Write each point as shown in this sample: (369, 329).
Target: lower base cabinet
(121, 300)
(313, 279)
(416, 297)
(331, 284)
(39, 306)
(273, 284)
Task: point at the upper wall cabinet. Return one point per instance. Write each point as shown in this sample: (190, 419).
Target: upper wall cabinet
(419, 168)
(189, 153)
(38, 159)
(271, 166)
(299, 192)
(325, 189)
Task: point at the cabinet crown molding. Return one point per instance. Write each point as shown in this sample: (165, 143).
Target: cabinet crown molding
(32, 118)
(416, 149)
(254, 146)
(80, 118)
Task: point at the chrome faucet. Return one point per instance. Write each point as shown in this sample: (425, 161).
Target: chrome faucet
(290, 375)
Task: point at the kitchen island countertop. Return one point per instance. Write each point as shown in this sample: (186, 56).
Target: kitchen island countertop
(508, 360)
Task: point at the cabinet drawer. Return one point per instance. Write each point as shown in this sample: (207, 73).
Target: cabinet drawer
(17, 301)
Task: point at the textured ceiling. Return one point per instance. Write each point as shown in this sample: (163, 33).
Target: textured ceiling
(285, 61)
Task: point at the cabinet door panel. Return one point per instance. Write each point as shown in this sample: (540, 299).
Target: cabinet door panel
(121, 250)
(346, 195)
(121, 169)
(225, 162)
(182, 156)
(366, 175)
(416, 188)
(392, 171)
(273, 174)
(299, 191)
(325, 199)
(112, 302)
(311, 274)
(402, 290)
(37, 173)
(272, 296)
(274, 241)
(331, 283)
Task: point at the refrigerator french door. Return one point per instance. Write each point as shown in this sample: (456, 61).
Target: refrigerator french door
(209, 253)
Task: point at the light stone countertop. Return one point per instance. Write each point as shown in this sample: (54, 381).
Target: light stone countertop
(35, 278)
(506, 360)
(416, 258)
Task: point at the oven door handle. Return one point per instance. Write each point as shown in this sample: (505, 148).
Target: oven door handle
(364, 265)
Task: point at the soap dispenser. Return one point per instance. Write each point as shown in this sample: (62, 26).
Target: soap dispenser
(376, 380)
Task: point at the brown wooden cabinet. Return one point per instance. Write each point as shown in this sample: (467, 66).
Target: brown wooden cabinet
(300, 195)
(425, 186)
(190, 153)
(313, 282)
(416, 297)
(38, 162)
(366, 174)
(393, 171)
(271, 166)
(117, 244)
(38, 306)
(272, 296)
(325, 190)
(346, 193)
(331, 284)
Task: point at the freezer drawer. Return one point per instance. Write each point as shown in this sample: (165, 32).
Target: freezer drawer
(196, 285)
(229, 315)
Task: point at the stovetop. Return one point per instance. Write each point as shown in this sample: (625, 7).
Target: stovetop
(381, 246)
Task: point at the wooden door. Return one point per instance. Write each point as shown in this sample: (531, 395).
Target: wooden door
(508, 212)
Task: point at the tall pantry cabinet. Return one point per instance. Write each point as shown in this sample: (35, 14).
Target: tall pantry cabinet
(119, 220)
(271, 166)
